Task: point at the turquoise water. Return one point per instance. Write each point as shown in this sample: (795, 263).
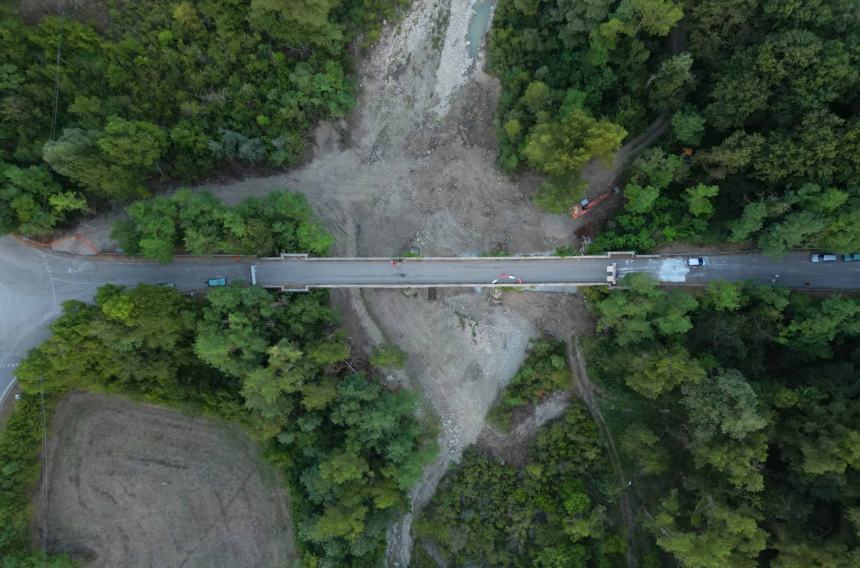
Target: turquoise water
(479, 25)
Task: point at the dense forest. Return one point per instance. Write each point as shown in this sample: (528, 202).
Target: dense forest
(737, 412)
(761, 97)
(557, 509)
(164, 90)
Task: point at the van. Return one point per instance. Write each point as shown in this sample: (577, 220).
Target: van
(822, 257)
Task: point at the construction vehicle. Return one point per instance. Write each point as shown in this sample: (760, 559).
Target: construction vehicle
(587, 205)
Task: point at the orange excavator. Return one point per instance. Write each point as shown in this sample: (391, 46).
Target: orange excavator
(587, 205)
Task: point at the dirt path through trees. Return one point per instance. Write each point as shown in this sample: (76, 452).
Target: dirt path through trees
(587, 392)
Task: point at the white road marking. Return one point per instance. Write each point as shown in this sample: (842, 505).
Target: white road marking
(6, 391)
(50, 277)
(76, 282)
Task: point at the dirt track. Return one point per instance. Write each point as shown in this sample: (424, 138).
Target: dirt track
(135, 485)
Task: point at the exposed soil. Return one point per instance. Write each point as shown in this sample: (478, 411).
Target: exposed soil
(138, 485)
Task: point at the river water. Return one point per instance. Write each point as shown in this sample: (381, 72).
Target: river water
(479, 25)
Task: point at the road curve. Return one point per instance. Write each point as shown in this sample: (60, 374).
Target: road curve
(34, 283)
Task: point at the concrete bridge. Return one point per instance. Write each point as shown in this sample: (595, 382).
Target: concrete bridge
(294, 272)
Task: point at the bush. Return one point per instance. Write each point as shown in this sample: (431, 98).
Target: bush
(544, 371)
(388, 356)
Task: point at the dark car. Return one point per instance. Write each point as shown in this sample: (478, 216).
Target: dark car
(854, 257)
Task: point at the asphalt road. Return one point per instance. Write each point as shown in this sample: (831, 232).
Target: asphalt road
(425, 272)
(34, 283)
(794, 270)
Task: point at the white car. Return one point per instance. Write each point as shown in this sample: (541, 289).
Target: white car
(696, 261)
(822, 257)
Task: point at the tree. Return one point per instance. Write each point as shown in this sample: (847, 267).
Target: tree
(32, 202)
(536, 96)
(135, 146)
(699, 199)
(642, 444)
(237, 329)
(673, 80)
(388, 356)
(562, 147)
(751, 221)
(726, 427)
(712, 535)
(654, 16)
(201, 224)
(640, 199)
(816, 327)
(327, 352)
(150, 230)
(724, 404)
(654, 373)
(656, 168)
(733, 155)
(688, 126)
(723, 296)
(296, 20)
(791, 233)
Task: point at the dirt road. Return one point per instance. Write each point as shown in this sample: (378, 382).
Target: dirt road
(586, 390)
(135, 485)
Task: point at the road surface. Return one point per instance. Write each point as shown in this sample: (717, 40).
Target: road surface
(794, 271)
(35, 283)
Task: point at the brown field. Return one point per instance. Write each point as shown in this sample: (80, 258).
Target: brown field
(137, 485)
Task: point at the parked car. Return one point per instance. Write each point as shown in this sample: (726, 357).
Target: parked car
(216, 282)
(854, 257)
(822, 257)
(696, 261)
(167, 284)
